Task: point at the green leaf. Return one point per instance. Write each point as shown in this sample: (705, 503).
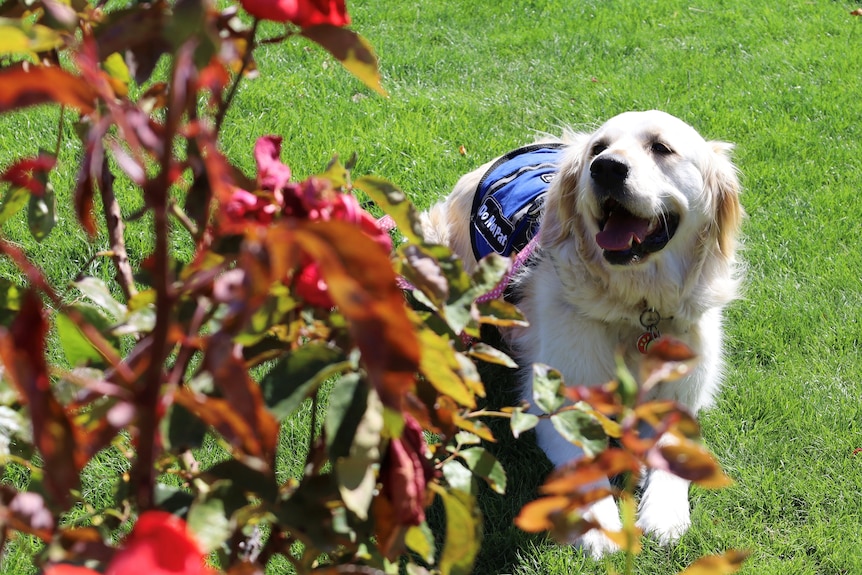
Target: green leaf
(139, 321)
(207, 520)
(75, 345)
(182, 430)
(628, 385)
(548, 388)
(489, 272)
(463, 532)
(485, 466)
(582, 429)
(297, 376)
(10, 295)
(13, 201)
(351, 49)
(42, 213)
(116, 68)
(458, 476)
(98, 292)
(420, 540)
(394, 202)
(522, 421)
(244, 478)
(441, 368)
(336, 172)
(353, 425)
(172, 499)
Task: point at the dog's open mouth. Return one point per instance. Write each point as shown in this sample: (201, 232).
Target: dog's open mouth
(626, 238)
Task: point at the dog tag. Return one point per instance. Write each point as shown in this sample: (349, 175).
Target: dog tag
(644, 341)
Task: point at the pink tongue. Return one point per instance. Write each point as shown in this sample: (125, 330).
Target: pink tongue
(621, 230)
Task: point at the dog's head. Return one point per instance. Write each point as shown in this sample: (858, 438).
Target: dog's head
(643, 187)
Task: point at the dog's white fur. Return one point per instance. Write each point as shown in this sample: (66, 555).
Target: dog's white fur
(583, 309)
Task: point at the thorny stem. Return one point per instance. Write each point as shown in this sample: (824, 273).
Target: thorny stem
(246, 60)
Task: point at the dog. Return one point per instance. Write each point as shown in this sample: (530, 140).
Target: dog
(638, 219)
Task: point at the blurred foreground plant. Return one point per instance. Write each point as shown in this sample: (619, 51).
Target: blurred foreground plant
(292, 275)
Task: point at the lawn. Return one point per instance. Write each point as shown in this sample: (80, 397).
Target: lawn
(470, 80)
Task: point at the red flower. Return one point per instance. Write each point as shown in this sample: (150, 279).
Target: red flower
(312, 288)
(159, 544)
(303, 13)
(406, 470)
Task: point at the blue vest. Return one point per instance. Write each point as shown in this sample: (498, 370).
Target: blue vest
(509, 199)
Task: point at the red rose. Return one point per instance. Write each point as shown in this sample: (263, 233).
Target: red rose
(406, 471)
(159, 544)
(303, 13)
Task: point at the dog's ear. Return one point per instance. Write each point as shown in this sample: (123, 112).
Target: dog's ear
(722, 182)
(559, 218)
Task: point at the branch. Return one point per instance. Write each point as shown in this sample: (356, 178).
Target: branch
(246, 60)
(116, 227)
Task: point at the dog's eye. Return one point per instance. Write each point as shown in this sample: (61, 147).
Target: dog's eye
(598, 149)
(660, 149)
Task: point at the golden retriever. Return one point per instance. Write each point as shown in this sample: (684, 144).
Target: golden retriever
(640, 219)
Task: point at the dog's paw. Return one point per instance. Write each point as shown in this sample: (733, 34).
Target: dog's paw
(594, 542)
(664, 512)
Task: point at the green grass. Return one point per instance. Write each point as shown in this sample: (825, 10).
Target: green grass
(781, 80)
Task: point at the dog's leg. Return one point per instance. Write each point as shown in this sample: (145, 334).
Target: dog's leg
(664, 510)
(604, 511)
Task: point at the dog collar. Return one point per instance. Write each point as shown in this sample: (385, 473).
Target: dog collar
(649, 319)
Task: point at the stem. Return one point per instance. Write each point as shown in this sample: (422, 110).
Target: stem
(246, 60)
(116, 228)
(148, 394)
(60, 130)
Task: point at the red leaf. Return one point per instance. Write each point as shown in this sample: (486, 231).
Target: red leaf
(22, 350)
(555, 514)
(689, 461)
(573, 477)
(23, 85)
(240, 416)
(30, 173)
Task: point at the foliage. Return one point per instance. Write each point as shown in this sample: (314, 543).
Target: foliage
(295, 276)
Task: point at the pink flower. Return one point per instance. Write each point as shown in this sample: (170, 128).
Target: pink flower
(272, 174)
(159, 544)
(303, 13)
(405, 471)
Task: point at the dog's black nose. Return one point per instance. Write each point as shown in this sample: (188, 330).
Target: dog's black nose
(609, 172)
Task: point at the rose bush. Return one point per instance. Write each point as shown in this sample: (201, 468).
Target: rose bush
(292, 278)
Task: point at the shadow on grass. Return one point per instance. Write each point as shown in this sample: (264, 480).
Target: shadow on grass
(526, 467)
